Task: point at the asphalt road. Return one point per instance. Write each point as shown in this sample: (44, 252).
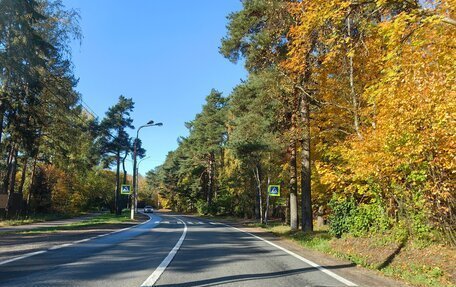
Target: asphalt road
(199, 253)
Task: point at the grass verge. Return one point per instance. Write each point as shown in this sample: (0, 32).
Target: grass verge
(102, 219)
(34, 218)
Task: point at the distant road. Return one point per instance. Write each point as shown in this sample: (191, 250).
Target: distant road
(175, 251)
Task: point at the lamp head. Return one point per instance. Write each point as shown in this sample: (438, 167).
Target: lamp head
(150, 122)
(158, 124)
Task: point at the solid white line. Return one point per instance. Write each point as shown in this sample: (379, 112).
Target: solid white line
(161, 268)
(69, 244)
(311, 263)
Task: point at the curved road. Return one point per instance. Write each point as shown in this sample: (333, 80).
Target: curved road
(199, 253)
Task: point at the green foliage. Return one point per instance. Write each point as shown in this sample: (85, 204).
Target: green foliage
(357, 219)
(342, 212)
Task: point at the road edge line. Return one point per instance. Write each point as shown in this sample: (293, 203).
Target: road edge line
(153, 278)
(311, 263)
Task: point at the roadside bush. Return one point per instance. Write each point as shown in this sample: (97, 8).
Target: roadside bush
(341, 216)
(202, 207)
(357, 219)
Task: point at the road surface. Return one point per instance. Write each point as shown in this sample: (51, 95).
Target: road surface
(170, 251)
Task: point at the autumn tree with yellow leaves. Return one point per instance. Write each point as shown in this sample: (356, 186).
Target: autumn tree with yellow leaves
(364, 114)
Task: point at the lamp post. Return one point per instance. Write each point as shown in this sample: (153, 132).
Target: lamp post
(134, 200)
(137, 178)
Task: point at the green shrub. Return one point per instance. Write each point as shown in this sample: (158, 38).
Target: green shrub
(349, 217)
(340, 218)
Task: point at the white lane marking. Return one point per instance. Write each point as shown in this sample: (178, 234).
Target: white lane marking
(161, 268)
(213, 223)
(200, 222)
(191, 223)
(60, 246)
(180, 222)
(23, 256)
(83, 240)
(69, 244)
(311, 263)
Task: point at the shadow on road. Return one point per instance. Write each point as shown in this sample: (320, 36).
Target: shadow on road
(249, 277)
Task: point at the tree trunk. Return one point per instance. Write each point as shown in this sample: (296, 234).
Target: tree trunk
(32, 181)
(2, 117)
(293, 188)
(210, 190)
(259, 214)
(124, 180)
(353, 95)
(117, 195)
(306, 199)
(267, 203)
(6, 177)
(23, 175)
(12, 184)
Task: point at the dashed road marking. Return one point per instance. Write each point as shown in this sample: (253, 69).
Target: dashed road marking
(23, 256)
(69, 244)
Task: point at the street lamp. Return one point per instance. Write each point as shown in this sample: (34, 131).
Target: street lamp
(134, 203)
(137, 177)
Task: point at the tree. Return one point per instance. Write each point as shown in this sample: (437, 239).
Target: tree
(34, 38)
(258, 34)
(208, 134)
(115, 139)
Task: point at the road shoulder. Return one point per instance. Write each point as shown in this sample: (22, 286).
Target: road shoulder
(344, 268)
(15, 244)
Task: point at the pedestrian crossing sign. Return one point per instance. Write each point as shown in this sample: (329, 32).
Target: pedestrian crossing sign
(274, 190)
(125, 189)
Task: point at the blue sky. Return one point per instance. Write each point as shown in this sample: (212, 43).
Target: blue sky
(163, 54)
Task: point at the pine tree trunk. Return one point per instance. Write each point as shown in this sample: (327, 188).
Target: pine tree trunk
(266, 212)
(210, 190)
(2, 117)
(259, 214)
(293, 188)
(32, 181)
(306, 199)
(124, 180)
(23, 175)
(117, 195)
(12, 184)
(6, 177)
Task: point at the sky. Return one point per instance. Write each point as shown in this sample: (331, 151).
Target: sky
(163, 54)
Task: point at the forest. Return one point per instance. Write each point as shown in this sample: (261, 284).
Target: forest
(349, 106)
(55, 153)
